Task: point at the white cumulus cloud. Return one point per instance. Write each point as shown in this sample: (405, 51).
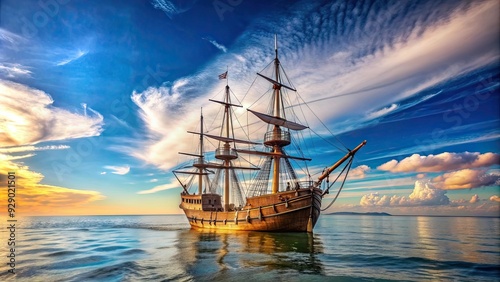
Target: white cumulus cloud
(423, 194)
(441, 162)
(474, 199)
(359, 172)
(466, 179)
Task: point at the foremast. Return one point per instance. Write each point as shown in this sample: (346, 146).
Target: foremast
(226, 153)
(199, 164)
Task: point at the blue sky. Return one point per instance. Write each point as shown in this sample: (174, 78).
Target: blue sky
(97, 96)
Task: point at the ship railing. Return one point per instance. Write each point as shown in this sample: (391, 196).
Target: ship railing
(274, 137)
(225, 153)
(305, 184)
(198, 161)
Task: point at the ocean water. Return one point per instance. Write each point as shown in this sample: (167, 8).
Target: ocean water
(342, 248)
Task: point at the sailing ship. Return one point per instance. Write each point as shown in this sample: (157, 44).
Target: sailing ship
(277, 199)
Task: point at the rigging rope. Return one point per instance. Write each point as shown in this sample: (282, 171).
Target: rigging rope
(322, 123)
(348, 166)
(255, 79)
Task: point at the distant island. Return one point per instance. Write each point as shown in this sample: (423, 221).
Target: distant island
(361, 213)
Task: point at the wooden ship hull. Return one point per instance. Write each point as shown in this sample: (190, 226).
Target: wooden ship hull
(288, 211)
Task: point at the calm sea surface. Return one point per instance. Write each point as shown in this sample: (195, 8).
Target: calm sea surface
(342, 248)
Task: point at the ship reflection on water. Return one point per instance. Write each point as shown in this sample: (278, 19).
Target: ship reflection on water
(220, 254)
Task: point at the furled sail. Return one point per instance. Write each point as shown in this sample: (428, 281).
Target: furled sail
(190, 172)
(192, 155)
(225, 103)
(278, 121)
(275, 82)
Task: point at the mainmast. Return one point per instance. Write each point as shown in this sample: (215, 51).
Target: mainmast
(276, 138)
(277, 130)
(276, 88)
(227, 153)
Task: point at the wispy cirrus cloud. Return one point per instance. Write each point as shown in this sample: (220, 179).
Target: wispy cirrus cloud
(162, 111)
(12, 70)
(398, 63)
(5, 157)
(456, 135)
(28, 117)
(11, 39)
(173, 8)
(6, 152)
(217, 45)
(160, 188)
(382, 112)
(72, 57)
(18, 149)
(120, 170)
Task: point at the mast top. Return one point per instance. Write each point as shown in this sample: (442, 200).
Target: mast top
(276, 45)
(227, 79)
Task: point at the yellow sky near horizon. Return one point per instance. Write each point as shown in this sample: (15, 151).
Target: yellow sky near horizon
(34, 198)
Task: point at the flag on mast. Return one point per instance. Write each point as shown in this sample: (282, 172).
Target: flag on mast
(223, 75)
